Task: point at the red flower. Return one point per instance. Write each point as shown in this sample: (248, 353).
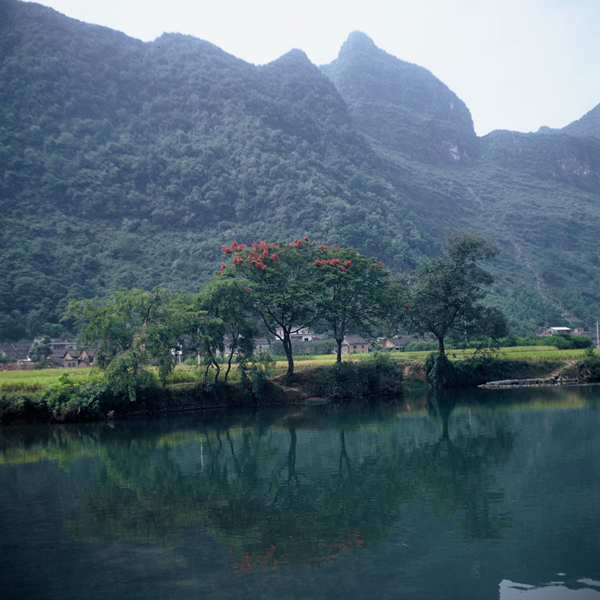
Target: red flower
(226, 250)
(222, 268)
(274, 256)
(347, 263)
(254, 245)
(306, 239)
(237, 260)
(407, 305)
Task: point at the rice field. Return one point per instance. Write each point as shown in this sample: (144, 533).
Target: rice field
(37, 381)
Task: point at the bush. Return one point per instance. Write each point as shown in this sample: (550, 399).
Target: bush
(588, 368)
(377, 375)
(255, 374)
(439, 371)
(67, 400)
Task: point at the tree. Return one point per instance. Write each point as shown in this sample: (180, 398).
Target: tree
(354, 292)
(131, 330)
(444, 294)
(227, 300)
(40, 350)
(279, 280)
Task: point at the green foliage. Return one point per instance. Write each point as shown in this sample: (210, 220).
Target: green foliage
(377, 375)
(40, 350)
(562, 342)
(130, 330)
(478, 370)
(588, 369)
(187, 147)
(439, 371)
(301, 348)
(444, 294)
(228, 301)
(353, 293)
(69, 400)
(280, 283)
(255, 374)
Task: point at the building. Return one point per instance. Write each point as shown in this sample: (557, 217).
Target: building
(355, 344)
(555, 331)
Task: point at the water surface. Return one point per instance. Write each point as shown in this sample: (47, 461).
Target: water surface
(491, 494)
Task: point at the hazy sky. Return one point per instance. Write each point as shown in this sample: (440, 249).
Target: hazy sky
(517, 64)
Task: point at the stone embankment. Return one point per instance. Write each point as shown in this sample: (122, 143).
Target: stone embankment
(510, 383)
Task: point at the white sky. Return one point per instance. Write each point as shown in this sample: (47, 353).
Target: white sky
(517, 64)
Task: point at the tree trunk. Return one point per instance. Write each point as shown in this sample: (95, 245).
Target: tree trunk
(441, 345)
(287, 348)
(339, 350)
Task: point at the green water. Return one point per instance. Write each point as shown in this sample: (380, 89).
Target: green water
(490, 494)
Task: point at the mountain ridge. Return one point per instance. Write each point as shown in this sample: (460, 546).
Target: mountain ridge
(129, 163)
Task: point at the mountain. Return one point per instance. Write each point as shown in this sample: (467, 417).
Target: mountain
(401, 106)
(129, 164)
(536, 195)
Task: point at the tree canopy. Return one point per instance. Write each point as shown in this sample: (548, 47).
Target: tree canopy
(444, 295)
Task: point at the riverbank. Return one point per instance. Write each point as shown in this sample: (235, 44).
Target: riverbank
(63, 395)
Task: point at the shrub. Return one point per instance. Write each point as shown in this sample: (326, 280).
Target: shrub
(68, 400)
(439, 371)
(378, 374)
(256, 372)
(588, 368)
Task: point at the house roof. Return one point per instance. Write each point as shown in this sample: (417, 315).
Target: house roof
(18, 350)
(353, 338)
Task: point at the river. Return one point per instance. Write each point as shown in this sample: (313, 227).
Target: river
(471, 494)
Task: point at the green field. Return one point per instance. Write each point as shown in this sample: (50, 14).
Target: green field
(34, 381)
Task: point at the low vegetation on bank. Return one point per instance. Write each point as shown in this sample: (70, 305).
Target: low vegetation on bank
(83, 395)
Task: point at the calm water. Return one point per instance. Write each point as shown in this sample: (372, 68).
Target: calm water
(478, 495)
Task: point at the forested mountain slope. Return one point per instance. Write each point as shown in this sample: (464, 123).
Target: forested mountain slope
(536, 195)
(128, 164)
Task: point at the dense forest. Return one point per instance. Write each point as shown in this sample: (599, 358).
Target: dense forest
(128, 164)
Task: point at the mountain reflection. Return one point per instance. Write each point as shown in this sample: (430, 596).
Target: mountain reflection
(296, 490)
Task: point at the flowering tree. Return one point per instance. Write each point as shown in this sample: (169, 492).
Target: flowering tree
(280, 283)
(354, 292)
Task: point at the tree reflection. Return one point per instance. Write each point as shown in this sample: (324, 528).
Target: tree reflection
(252, 488)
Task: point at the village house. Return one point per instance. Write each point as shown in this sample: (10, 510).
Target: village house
(355, 344)
(298, 333)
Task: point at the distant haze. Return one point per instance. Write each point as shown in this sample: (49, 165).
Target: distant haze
(517, 64)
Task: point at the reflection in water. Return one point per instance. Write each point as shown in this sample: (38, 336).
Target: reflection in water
(252, 489)
(417, 496)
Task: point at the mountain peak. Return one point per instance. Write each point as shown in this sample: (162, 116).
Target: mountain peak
(358, 40)
(401, 106)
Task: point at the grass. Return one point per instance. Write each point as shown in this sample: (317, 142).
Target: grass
(37, 381)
